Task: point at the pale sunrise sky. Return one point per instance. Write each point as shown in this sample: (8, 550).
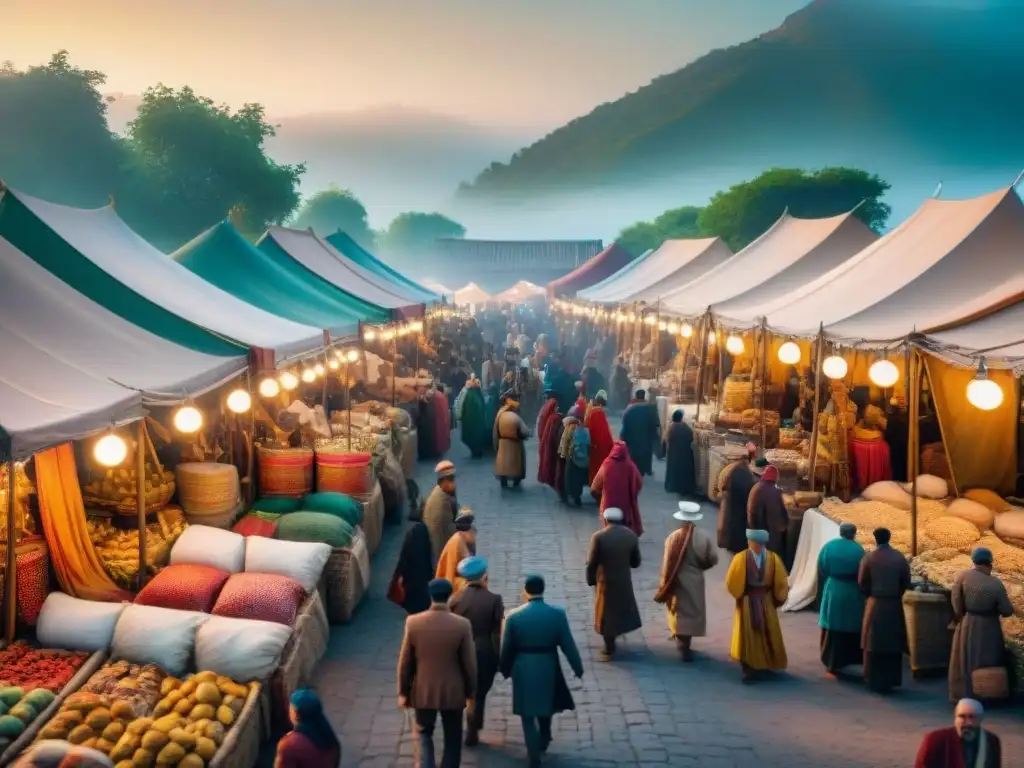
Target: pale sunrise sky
(514, 63)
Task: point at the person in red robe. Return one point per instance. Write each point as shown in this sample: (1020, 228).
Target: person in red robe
(617, 484)
(596, 420)
(442, 421)
(548, 446)
(550, 404)
(965, 745)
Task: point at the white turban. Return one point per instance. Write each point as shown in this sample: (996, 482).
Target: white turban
(613, 515)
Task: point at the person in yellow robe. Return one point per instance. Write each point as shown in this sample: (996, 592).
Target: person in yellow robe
(758, 582)
(461, 545)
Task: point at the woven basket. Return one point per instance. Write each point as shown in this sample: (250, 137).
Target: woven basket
(223, 519)
(408, 453)
(311, 634)
(928, 616)
(991, 684)
(241, 747)
(373, 519)
(207, 487)
(347, 578)
(286, 471)
(348, 473)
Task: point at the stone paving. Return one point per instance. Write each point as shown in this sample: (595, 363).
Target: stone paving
(645, 708)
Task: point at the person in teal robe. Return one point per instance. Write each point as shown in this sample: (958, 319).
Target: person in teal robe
(476, 430)
(841, 611)
(641, 426)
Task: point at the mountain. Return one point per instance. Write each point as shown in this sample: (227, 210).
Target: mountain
(394, 159)
(910, 89)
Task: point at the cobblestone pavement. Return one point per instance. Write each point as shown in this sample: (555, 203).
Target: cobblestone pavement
(646, 708)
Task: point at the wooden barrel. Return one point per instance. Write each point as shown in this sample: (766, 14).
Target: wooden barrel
(207, 487)
(348, 473)
(286, 471)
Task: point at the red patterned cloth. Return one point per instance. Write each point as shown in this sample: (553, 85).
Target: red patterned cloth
(260, 596)
(33, 573)
(184, 587)
(256, 525)
(871, 462)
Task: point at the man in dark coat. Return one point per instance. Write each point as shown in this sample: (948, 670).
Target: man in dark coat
(680, 469)
(532, 637)
(614, 552)
(641, 426)
(965, 745)
(620, 385)
(734, 485)
(593, 380)
(485, 611)
(883, 578)
(767, 511)
(437, 674)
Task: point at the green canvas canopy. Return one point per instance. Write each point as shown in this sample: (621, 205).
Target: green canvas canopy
(222, 256)
(349, 248)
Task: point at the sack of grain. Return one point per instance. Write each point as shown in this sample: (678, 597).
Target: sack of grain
(315, 527)
(1010, 525)
(990, 499)
(955, 532)
(888, 492)
(978, 514)
(929, 487)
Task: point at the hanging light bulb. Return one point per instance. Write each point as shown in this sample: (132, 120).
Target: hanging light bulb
(269, 388)
(388, 335)
(712, 338)
(789, 353)
(318, 369)
(369, 334)
(672, 328)
(662, 325)
(884, 373)
(110, 450)
(308, 375)
(686, 330)
(352, 355)
(416, 326)
(333, 364)
(239, 401)
(734, 345)
(650, 320)
(983, 393)
(188, 419)
(289, 381)
(834, 367)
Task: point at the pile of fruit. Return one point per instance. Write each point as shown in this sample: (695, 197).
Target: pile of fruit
(184, 726)
(25, 667)
(118, 487)
(19, 709)
(119, 549)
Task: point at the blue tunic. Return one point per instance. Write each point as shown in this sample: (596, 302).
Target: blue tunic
(842, 602)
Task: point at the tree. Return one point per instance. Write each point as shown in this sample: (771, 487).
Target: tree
(195, 162)
(414, 231)
(335, 208)
(745, 211)
(674, 223)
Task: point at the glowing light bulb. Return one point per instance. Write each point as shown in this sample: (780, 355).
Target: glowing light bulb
(686, 331)
(984, 394)
(734, 345)
(239, 401)
(269, 388)
(333, 364)
(110, 450)
(369, 335)
(188, 419)
(308, 375)
(834, 367)
(789, 353)
(352, 355)
(884, 373)
(289, 381)
(318, 369)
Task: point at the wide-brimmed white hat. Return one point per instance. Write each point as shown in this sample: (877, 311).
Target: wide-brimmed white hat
(689, 512)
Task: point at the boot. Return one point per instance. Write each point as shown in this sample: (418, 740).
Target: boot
(683, 643)
(609, 649)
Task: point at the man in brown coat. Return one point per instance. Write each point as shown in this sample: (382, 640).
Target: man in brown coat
(485, 611)
(437, 674)
(614, 552)
(884, 577)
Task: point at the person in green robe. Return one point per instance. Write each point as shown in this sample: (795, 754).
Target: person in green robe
(476, 431)
(841, 611)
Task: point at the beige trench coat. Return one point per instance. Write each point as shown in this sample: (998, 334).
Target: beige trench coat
(686, 609)
(509, 433)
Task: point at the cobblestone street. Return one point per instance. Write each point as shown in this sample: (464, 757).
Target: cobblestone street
(646, 708)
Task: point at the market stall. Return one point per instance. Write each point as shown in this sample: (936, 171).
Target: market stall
(594, 270)
(389, 277)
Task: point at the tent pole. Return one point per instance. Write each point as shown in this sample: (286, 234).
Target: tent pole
(686, 362)
(721, 368)
(764, 381)
(140, 502)
(913, 389)
(394, 366)
(656, 335)
(701, 363)
(11, 564)
(820, 347)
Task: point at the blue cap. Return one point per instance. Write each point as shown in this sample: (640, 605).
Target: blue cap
(440, 589)
(981, 556)
(473, 568)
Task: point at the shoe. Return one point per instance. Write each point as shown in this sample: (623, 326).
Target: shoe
(604, 656)
(472, 738)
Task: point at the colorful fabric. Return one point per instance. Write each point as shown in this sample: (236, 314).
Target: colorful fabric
(315, 527)
(257, 524)
(758, 592)
(601, 441)
(260, 596)
(184, 587)
(548, 447)
(618, 484)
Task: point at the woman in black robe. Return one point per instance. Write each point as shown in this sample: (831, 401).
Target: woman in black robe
(415, 567)
(680, 469)
(426, 428)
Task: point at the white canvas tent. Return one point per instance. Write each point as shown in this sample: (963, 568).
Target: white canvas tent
(441, 290)
(787, 243)
(103, 238)
(72, 367)
(676, 263)
(599, 288)
(471, 293)
(950, 261)
(998, 337)
(521, 291)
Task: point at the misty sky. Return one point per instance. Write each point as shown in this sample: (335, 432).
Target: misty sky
(524, 63)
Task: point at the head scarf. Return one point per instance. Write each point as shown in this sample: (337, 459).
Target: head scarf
(770, 474)
(464, 521)
(312, 723)
(601, 395)
(757, 536)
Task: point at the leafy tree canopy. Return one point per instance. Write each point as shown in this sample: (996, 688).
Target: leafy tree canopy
(332, 209)
(745, 211)
(674, 223)
(413, 231)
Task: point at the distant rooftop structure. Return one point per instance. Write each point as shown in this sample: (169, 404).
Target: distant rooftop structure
(498, 264)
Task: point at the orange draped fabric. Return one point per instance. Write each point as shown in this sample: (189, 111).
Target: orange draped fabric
(78, 567)
(600, 438)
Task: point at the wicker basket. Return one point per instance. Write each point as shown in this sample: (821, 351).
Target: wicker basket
(408, 450)
(207, 487)
(373, 519)
(286, 471)
(241, 747)
(311, 634)
(928, 616)
(223, 519)
(347, 578)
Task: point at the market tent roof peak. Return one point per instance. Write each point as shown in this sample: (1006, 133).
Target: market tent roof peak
(373, 303)
(789, 241)
(599, 288)
(224, 257)
(951, 261)
(594, 270)
(471, 293)
(95, 252)
(342, 242)
(521, 291)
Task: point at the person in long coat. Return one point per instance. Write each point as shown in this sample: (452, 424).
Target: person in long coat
(620, 386)
(979, 599)
(486, 612)
(965, 745)
(614, 552)
(461, 545)
(472, 414)
(618, 484)
(841, 611)
(767, 511)
(549, 407)
(641, 426)
(593, 380)
(509, 433)
(547, 444)
(426, 425)
(689, 552)
(734, 484)
(533, 635)
(758, 582)
(441, 508)
(680, 468)
(415, 567)
(601, 440)
(442, 422)
(883, 578)
(573, 458)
